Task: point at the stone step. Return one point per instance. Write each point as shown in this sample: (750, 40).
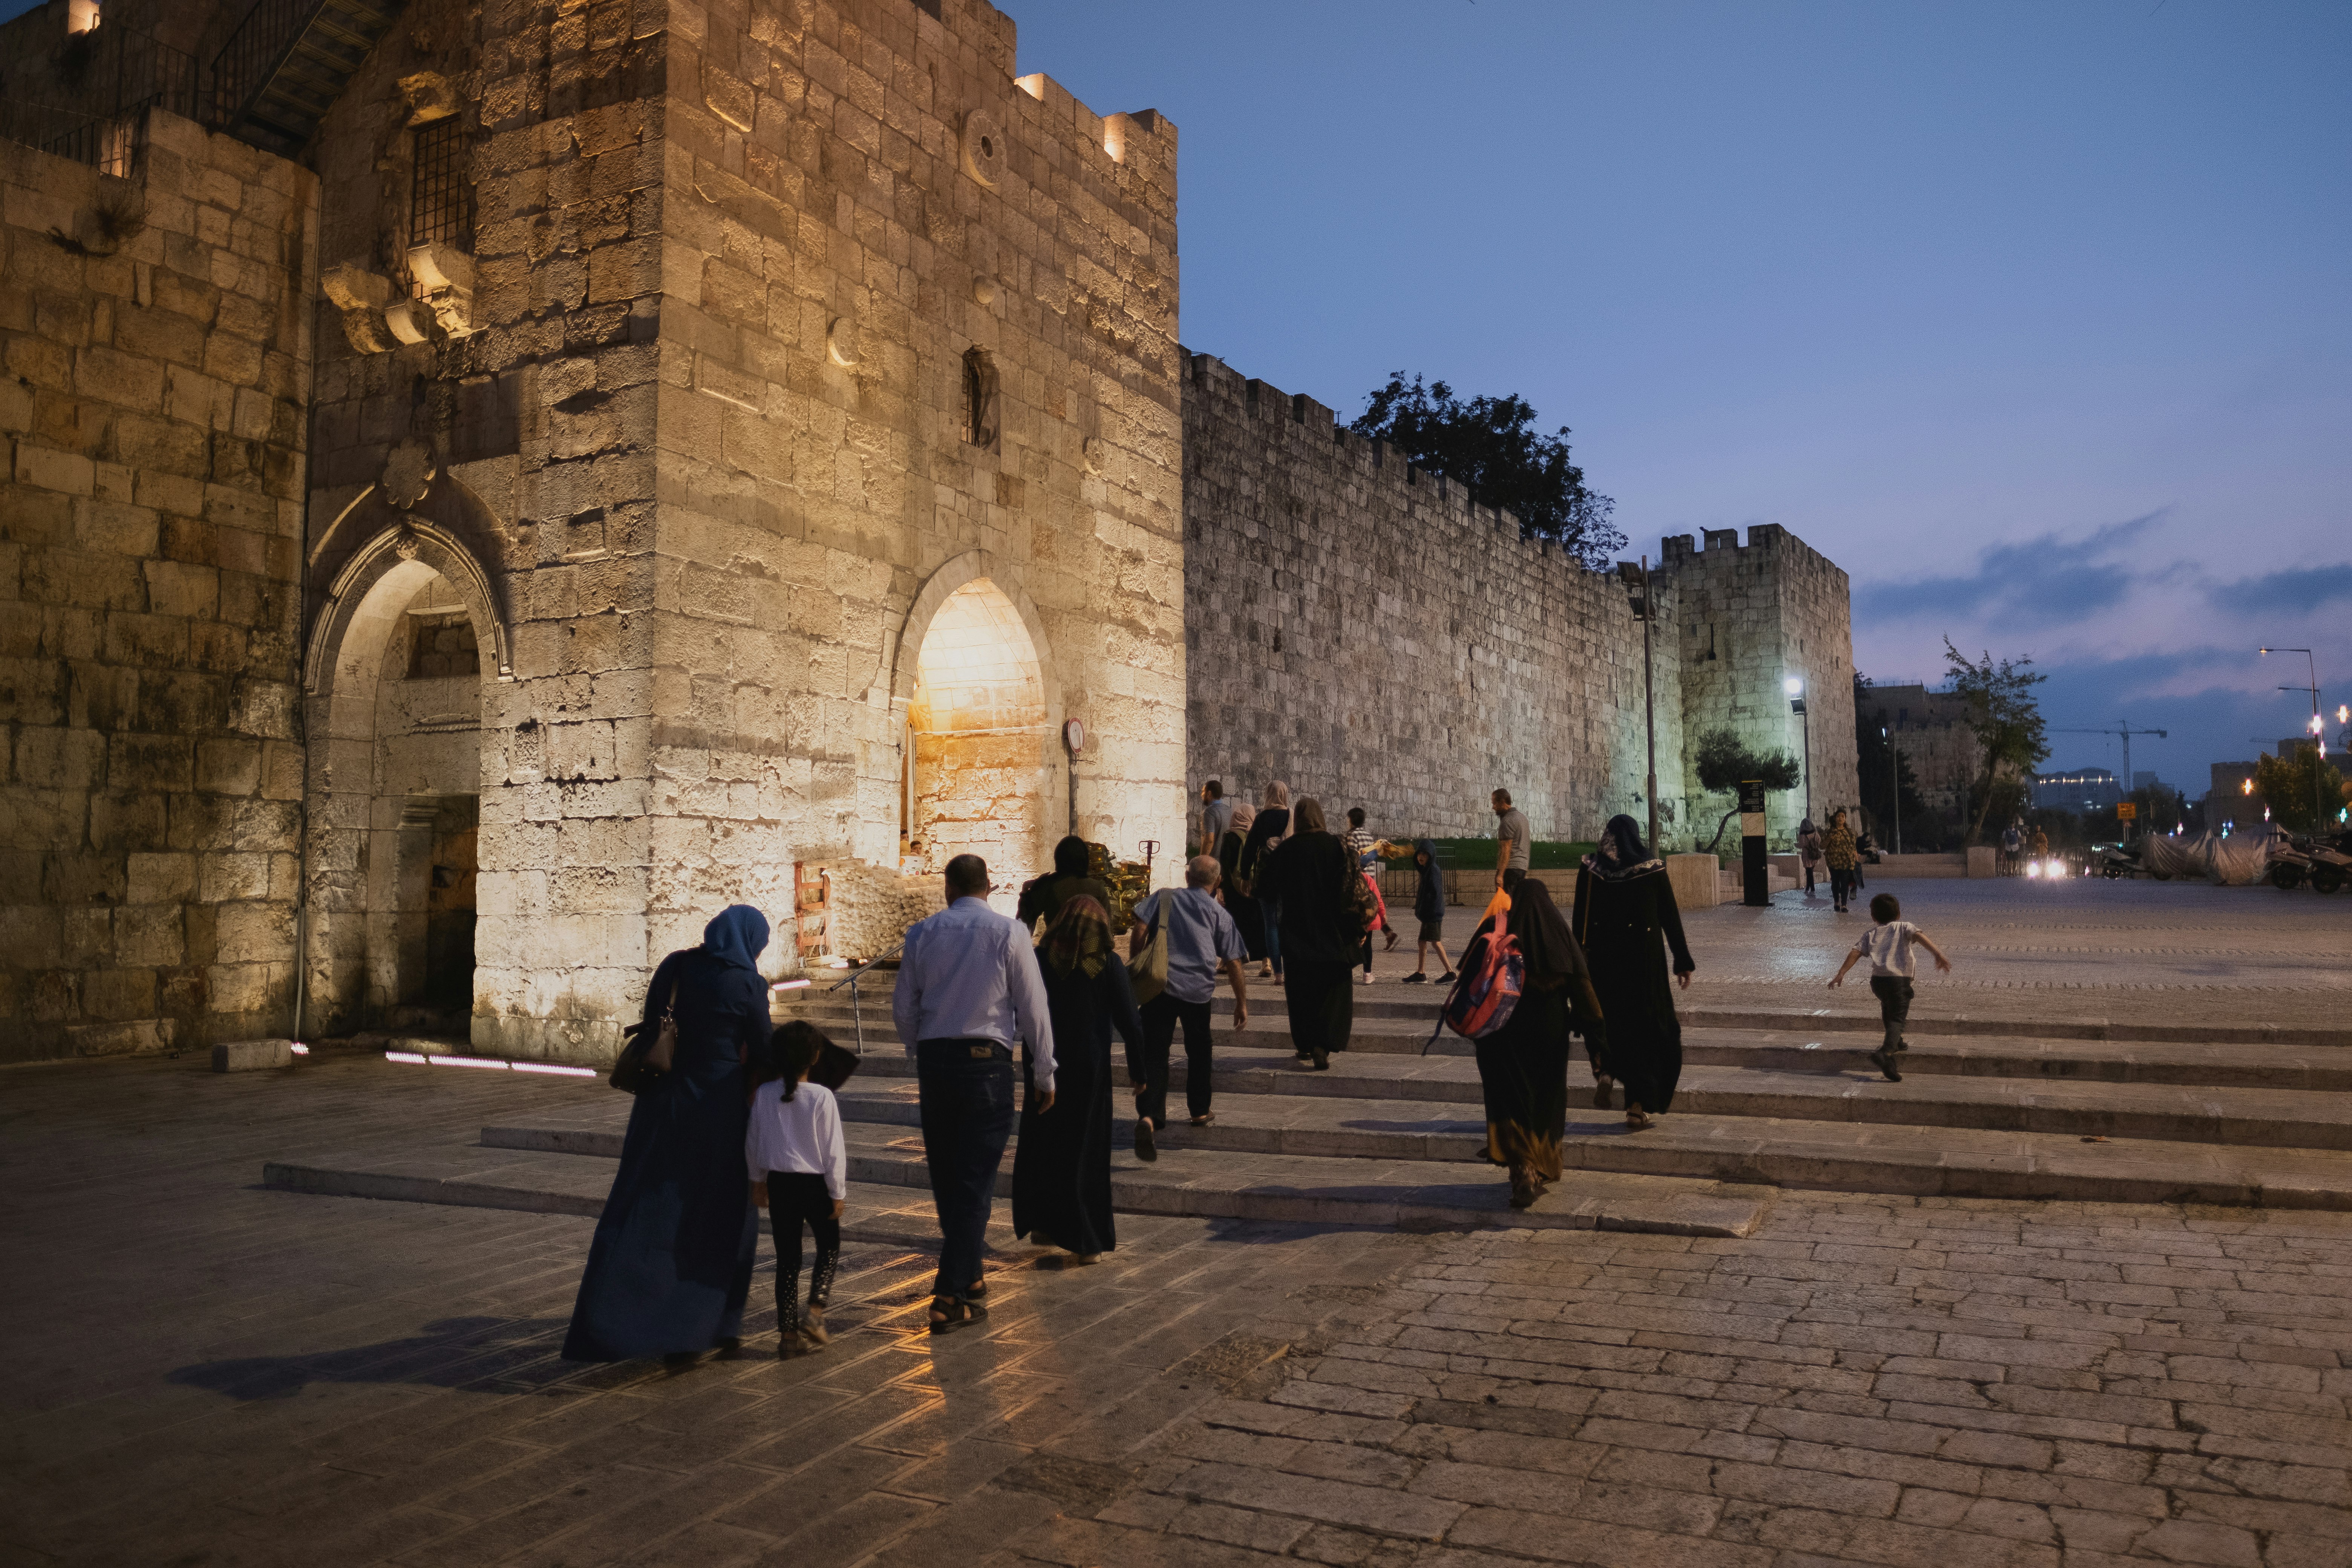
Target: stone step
(540, 1169)
(1326, 1147)
(2259, 1118)
(2021, 1056)
(1939, 1012)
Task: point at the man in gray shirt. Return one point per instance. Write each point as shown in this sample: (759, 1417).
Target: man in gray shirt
(969, 988)
(1216, 816)
(1202, 939)
(1513, 840)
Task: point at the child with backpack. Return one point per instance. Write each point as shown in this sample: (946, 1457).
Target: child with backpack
(800, 1172)
(1887, 944)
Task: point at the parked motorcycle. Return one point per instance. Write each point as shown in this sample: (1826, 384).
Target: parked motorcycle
(2295, 861)
(2120, 862)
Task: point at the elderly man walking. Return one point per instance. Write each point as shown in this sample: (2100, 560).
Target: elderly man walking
(1202, 939)
(968, 988)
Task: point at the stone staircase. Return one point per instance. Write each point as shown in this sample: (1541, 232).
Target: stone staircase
(1390, 1136)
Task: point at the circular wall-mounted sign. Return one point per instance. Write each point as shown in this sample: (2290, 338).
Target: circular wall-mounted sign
(1074, 735)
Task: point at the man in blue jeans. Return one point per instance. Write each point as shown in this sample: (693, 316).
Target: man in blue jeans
(968, 989)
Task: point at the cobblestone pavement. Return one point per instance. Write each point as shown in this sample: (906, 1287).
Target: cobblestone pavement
(2155, 951)
(206, 1372)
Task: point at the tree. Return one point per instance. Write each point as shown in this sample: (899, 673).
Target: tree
(1725, 763)
(2005, 719)
(2285, 785)
(1491, 445)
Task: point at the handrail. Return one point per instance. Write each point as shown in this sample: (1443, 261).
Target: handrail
(254, 50)
(857, 1012)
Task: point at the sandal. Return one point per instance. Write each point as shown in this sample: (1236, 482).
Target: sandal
(1204, 1119)
(1638, 1119)
(1601, 1088)
(950, 1313)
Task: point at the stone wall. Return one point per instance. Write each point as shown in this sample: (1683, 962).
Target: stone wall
(155, 337)
(1360, 631)
(1931, 730)
(865, 213)
(1367, 634)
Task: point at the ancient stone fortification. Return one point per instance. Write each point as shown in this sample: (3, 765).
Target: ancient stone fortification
(670, 455)
(155, 338)
(1367, 633)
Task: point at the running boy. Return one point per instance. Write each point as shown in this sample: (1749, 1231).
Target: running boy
(1887, 945)
(799, 1171)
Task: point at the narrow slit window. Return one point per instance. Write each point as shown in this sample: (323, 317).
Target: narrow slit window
(441, 204)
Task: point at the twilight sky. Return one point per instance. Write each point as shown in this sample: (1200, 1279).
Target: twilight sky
(2036, 319)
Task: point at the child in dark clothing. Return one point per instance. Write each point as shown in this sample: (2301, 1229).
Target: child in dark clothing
(799, 1171)
(1429, 909)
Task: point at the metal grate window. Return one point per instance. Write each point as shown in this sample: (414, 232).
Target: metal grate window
(441, 200)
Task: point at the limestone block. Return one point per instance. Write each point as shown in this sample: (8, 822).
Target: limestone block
(1696, 881)
(250, 1056)
(1981, 860)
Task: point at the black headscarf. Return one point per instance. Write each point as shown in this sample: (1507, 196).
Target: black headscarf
(1549, 951)
(1622, 853)
(1070, 858)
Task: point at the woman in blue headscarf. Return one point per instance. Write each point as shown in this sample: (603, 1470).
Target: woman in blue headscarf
(671, 1265)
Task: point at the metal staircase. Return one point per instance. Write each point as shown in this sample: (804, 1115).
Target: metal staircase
(287, 62)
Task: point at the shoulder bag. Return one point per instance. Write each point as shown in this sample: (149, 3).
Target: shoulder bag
(1148, 972)
(648, 1056)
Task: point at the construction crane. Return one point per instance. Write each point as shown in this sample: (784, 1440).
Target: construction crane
(2122, 727)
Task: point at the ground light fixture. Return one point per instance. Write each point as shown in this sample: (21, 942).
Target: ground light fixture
(493, 1064)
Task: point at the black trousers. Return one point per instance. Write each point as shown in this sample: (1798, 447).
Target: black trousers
(1322, 999)
(1161, 1016)
(1841, 886)
(796, 1198)
(964, 1090)
(1893, 994)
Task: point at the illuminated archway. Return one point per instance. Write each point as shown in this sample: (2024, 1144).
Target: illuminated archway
(979, 778)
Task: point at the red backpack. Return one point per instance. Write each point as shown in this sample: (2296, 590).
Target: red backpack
(1484, 994)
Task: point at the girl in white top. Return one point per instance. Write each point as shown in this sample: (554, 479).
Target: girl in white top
(800, 1171)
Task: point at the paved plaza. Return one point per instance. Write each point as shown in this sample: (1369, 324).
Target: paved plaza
(208, 1371)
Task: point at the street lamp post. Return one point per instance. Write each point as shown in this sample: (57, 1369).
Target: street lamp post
(2318, 728)
(1796, 690)
(1637, 586)
(1893, 785)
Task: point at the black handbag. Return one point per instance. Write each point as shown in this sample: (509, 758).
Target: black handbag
(832, 1066)
(649, 1052)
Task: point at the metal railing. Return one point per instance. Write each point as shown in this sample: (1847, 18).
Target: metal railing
(114, 75)
(256, 49)
(856, 1012)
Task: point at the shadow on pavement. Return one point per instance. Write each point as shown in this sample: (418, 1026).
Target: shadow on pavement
(501, 1355)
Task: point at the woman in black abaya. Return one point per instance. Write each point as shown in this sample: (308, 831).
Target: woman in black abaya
(1627, 921)
(1523, 1066)
(671, 1265)
(1061, 1167)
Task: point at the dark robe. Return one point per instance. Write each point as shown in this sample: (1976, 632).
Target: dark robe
(1041, 898)
(1626, 923)
(1523, 1066)
(671, 1264)
(1249, 916)
(1061, 1167)
(1311, 878)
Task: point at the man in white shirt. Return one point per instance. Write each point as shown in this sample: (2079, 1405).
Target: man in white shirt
(968, 989)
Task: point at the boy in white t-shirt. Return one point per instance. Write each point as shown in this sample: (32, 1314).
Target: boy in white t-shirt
(800, 1172)
(1888, 945)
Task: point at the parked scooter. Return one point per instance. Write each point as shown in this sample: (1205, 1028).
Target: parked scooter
(2295, 861)
(2119, 862)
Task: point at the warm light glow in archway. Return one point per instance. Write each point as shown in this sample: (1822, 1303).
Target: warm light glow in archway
(979, 725)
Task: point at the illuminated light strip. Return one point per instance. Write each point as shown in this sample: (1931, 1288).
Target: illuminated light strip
(789, 985)
(493, 1063)
(404, 1057)
(490, 1062)
(302, 1050)
(552, 1068)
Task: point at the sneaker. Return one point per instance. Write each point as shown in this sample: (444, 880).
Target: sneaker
(1446, 978)
(812, 1326)
(1885, 1060)
(1415, 978)
(1902, 1046)
(1145, 1149)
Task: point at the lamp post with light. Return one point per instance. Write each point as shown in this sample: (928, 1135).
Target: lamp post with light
(1796, 690)
(2319, 730)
